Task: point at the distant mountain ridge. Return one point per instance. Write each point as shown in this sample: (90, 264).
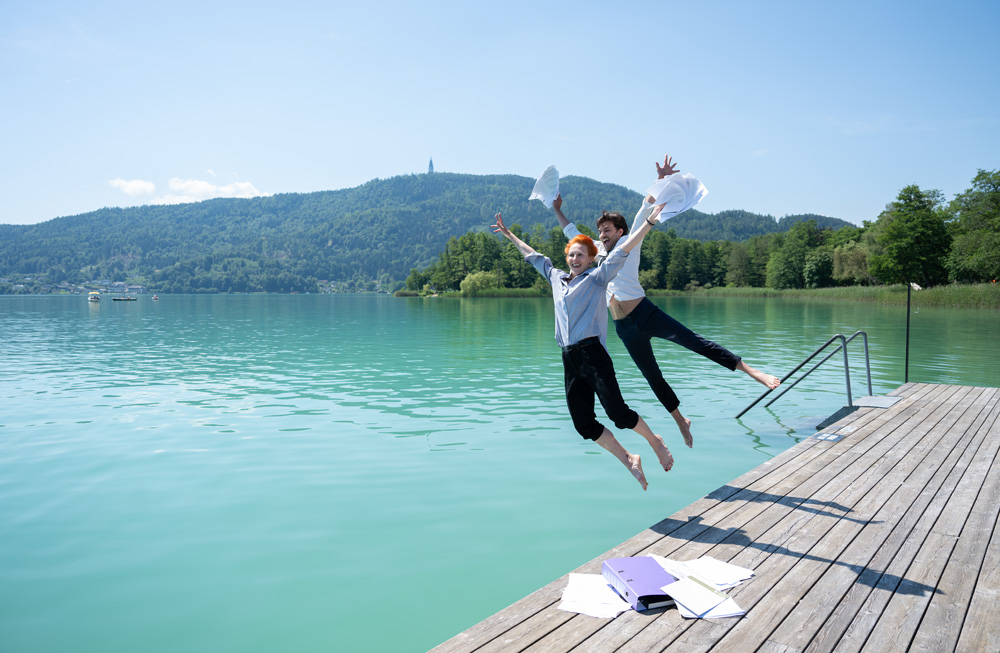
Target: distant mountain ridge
(352, 237)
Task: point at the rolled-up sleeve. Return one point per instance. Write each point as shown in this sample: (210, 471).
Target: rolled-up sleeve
(541, 263)
(609, 269)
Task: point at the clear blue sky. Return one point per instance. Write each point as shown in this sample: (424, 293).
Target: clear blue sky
(778, 107)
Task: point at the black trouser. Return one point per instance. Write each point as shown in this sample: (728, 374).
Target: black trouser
(645, 322)
(588, 370)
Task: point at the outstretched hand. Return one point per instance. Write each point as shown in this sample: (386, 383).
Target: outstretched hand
(655, 212)
(500, 227)
(557, 202)
(668, 168)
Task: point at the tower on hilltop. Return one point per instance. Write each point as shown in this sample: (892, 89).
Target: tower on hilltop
(430, 166)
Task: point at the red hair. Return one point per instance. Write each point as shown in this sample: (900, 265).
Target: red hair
(587, 243)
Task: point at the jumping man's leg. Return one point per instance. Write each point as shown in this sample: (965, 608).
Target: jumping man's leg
(768, 380)
(641, 350)
(655, 441)
(658, 324)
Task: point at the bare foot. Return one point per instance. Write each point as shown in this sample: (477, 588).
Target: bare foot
(666, 459)
(635, 466)
(766, 380)
(684, 425)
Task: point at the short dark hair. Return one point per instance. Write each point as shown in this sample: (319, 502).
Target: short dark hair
(617, 220)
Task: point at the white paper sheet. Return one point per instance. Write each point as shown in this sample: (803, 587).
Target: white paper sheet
(546, 187)
(679, 192)
(721, 574)
(590, 594)
(696, 595)
(727, 608)
(712, 572)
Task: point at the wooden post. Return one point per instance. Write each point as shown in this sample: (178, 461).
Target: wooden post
(906, 369)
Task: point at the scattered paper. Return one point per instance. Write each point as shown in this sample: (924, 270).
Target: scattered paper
(721, 574)
(679, 192)
(546, 187)
(592, 595)
(698, 592)
(696, 595)
(727, 608)
(700, 596)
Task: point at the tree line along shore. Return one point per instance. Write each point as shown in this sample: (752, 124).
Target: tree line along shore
(950, 251)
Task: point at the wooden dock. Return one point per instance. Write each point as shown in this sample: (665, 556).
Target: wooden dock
(881, 536)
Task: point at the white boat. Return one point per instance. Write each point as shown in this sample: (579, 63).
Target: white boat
(94, 296)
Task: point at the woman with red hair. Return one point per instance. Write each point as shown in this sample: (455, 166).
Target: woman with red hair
(581, 331)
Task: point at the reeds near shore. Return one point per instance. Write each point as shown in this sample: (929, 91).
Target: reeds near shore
(981, 295)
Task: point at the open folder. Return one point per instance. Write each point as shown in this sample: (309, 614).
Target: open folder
(639, 580)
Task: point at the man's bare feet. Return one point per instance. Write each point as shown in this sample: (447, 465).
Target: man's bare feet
(766, 380)
(662, 453)
(685, 428)
(684, 425)
(630, 460)
(635, 466)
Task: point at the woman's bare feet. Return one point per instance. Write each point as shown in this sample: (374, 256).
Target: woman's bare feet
(766, 380)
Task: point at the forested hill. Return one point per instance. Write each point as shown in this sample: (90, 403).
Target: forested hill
(356, 238)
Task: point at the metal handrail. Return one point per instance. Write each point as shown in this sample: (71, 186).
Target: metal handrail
(847, 370)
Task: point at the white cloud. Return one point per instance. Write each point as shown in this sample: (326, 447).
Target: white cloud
(196, 190)
(133, 187)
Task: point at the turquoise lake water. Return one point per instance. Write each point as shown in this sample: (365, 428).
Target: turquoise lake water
(364, 473)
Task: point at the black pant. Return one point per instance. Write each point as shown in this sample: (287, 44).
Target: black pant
(645, 322)
(588, 370)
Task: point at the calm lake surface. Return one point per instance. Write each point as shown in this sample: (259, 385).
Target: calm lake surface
(364, 473)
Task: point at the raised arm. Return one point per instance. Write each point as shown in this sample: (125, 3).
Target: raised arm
(557, 207)
(668, 168)
(637, 235)
(501, 228)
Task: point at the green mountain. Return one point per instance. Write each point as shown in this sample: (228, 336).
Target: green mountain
(354, 239)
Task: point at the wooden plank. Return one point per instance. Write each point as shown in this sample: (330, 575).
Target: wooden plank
(872, 608)
(859, 597)
(980, 632)
(820, 543)
(887, 506)
(905, 610)
(945, 615)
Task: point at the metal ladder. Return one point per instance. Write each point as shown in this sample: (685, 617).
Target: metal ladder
(883, 402)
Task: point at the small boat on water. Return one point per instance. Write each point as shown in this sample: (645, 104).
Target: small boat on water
(123, 298)
(155, 298)
(94, 296)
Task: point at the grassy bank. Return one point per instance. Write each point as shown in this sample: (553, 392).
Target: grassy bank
(487, 292)
(982, 295)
